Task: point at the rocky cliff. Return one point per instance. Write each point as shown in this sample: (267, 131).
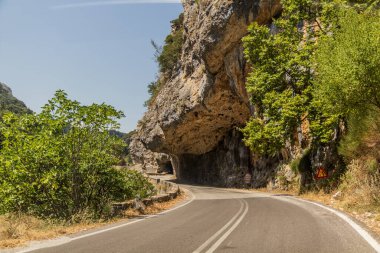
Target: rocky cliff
(9, 103)
(195, 115)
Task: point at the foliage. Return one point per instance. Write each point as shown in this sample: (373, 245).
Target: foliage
(167, 57)
(127, 138)
(347, 64)
(153, 89)
(171, 51)
(294, 165)
(60, 162)
(323, 121)
(347, 78)
(363, 138)
(295, 80)
(281, 81)
(137, 185)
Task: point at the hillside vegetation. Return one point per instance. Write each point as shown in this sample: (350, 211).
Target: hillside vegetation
(167, 57)
(60, 163)
(315, 74)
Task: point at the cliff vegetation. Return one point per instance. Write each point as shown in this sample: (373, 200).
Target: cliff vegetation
(315, 86)
(167, 57)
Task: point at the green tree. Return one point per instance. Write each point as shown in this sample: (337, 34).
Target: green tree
(60, 162)
(283, 85)
(347, 64)
(280, 83)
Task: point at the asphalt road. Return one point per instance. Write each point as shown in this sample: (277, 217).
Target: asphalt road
(222, 220)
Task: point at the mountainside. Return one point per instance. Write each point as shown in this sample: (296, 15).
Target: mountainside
(195, 114)
(9, 103)
(304, 115)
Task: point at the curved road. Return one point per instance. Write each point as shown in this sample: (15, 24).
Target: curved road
(223, 220)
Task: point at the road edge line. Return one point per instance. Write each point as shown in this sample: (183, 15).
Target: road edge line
(361, 231)
(66, 240)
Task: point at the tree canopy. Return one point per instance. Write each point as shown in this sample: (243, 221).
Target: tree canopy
(316, 65)
(60, 162)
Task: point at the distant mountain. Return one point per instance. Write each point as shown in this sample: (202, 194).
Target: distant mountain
(8, 103)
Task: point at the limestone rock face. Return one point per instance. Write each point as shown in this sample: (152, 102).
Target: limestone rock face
(5, 89)
(8, 103)
(198, 108)
(151, 162)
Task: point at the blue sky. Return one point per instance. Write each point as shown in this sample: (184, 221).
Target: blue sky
(95, 50)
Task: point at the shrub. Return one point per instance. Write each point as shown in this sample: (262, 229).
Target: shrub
(171, 52)
(137, 185)
(153, 89)
(294, 165)
(60, 162)
(347, 64)
(167, 57)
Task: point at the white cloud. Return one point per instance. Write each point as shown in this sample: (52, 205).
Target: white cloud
(113, 2)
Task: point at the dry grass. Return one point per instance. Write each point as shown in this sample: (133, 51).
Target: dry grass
(17, 230)
(367, 214)
(361, 184)
(358, 193)
(156, 207)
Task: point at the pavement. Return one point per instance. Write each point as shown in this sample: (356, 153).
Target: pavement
(226, 220)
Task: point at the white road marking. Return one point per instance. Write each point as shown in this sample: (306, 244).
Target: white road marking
(364, 234)
(65, 240)
(225, 235)
(212, 238)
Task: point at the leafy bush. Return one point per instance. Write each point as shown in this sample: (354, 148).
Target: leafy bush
(295, 164)
(153, 89)
(60, 162)
(138, 186)
(347, 64)
(171, 52)
(315, 68)
(281, 78)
